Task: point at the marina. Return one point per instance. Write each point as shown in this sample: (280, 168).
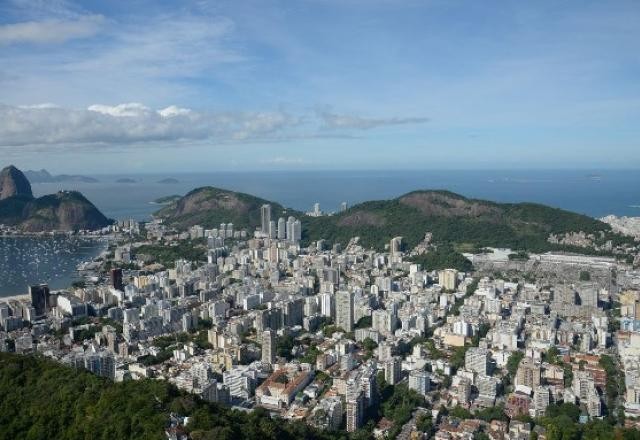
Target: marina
(54, 260)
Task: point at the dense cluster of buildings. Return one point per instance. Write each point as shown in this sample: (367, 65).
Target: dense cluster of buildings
(312, 333)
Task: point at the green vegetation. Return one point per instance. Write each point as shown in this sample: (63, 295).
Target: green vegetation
(167, 254)
(209, 206)
(42, 400)
(453, 219)
(561, 423)
(464, 224)
(513, 362)
(85, 333)
(364, 322)
(397, 403)
(444, 257)
(615, 383)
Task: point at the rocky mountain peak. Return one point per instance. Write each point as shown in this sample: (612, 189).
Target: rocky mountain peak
(14, 183)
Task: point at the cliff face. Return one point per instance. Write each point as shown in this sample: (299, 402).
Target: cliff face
(64, 211)
(13, 183)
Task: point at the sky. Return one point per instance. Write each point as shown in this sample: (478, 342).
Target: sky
(152, 86)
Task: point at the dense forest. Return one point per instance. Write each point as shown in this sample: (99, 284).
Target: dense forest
(40, 399)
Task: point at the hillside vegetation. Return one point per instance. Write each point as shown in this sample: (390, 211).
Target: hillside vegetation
(453, 219)
(209, 206)
(40, 399)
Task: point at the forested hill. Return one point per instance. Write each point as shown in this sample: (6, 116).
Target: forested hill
(40, 399)
(209, 206)
(453, 219)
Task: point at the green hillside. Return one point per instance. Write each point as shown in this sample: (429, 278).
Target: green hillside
(453, 219)
(40, 399)
(209, 206)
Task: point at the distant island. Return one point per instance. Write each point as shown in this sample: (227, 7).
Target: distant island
(63, 211)
(126, 180)
(169, 181)
(166, 200)
(43, 176)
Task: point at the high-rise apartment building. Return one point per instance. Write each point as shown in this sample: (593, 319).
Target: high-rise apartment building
(344, 310)
(265, 216)
(269, 346)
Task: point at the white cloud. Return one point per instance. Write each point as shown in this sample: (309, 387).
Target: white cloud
(133, 123)
(50, 126)
(50, 31)
(335, 121)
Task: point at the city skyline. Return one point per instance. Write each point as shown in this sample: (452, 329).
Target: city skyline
(242, 86)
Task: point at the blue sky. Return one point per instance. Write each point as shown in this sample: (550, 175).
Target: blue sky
(319, 84)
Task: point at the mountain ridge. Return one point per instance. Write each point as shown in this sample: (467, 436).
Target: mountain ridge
(452, 218)
(44, 176)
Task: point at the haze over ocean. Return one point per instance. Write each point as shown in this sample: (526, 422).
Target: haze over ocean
(594, 193)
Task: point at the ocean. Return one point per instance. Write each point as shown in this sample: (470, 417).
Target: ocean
(594, 193)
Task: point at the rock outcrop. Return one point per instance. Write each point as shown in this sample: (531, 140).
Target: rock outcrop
(13, 183)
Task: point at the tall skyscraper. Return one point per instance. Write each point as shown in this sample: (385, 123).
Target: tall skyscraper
(265, 214)
(116, 279)
(269, 346)
(344, 310)
(39, 298)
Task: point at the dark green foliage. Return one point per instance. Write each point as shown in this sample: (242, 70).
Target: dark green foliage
(209, 206)
(284, 345)
(615, 382)
(364, 322)
(460, 412)
(452, 219)
(478, 224)
(424, 423)
(40, 399)
(444, 257)
(165, 254)
(553, 356)
(398, 404)
(85, 333)
(585, 275)
(513, 362)
(492, 413)
(457, 358)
